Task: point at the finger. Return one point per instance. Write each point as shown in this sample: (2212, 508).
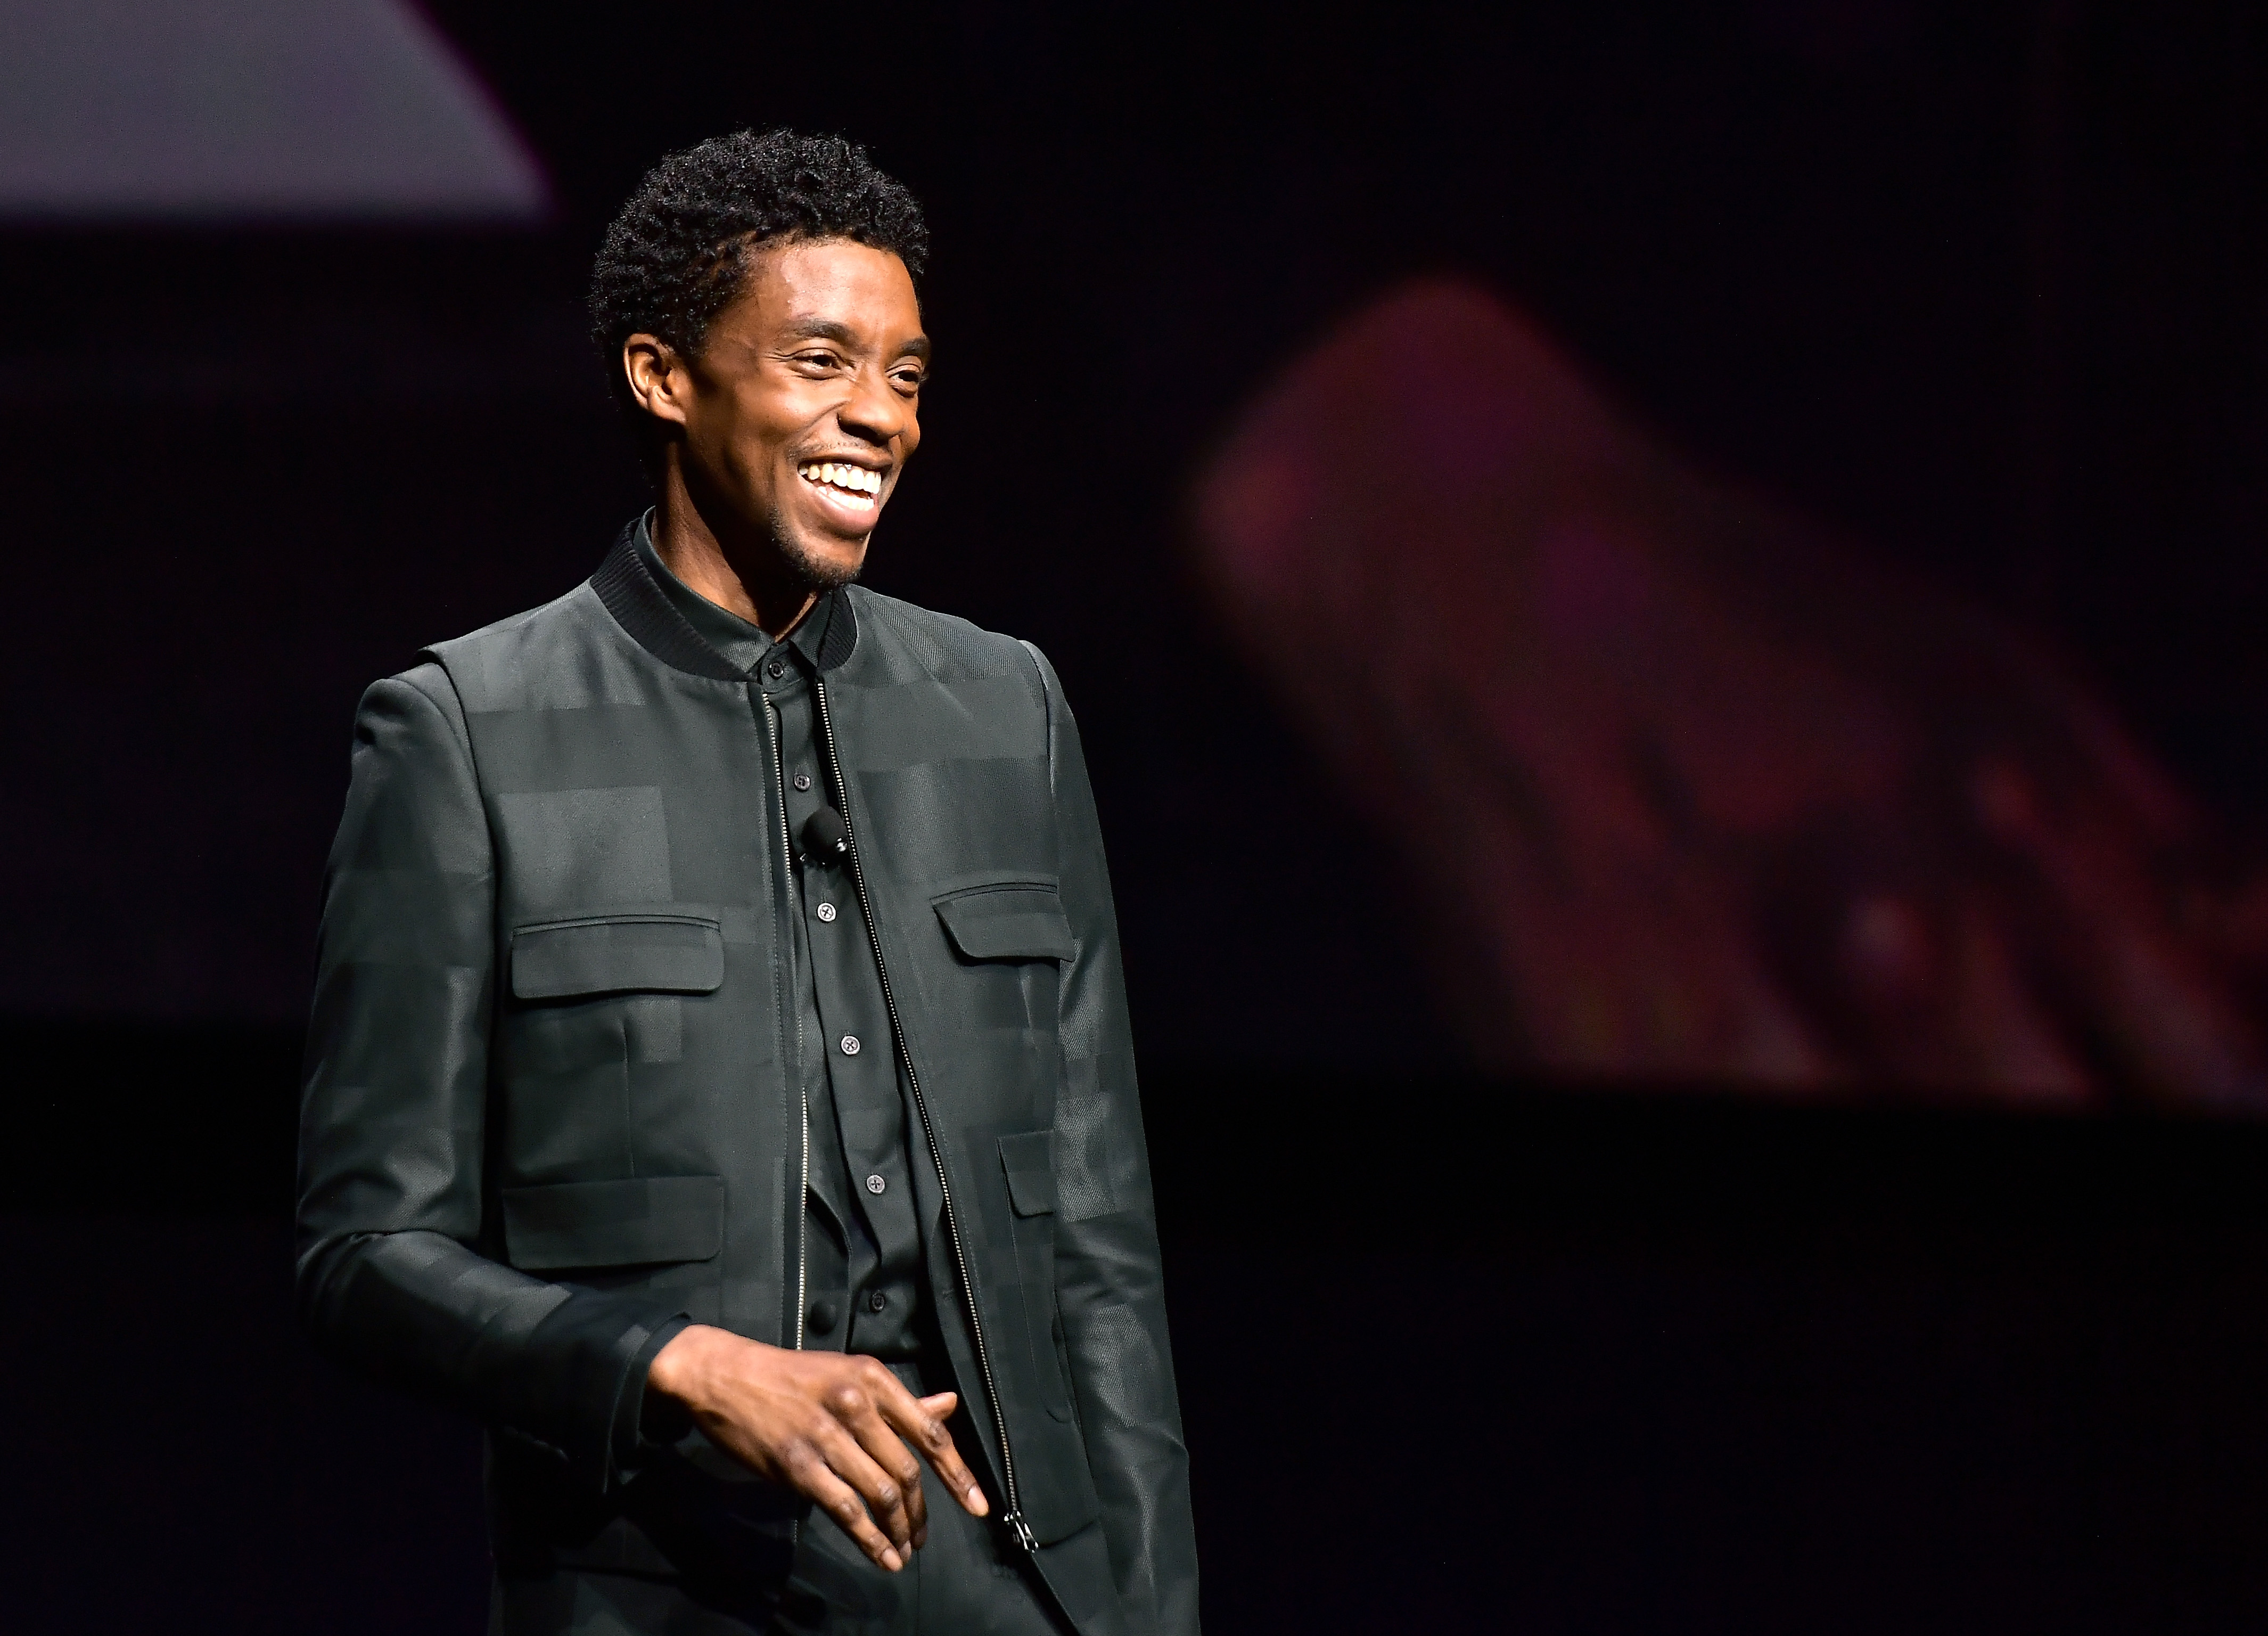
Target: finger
(882, 1446)
(894, 1409)
(878, 1466)
(939, 1407)
(812, 1473)
(925, 1430)
(885, 1495)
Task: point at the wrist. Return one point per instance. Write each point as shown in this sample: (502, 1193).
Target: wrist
(677, 1369)
(694, 1369)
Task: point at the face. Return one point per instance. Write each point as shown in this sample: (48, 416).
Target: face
(800, 411)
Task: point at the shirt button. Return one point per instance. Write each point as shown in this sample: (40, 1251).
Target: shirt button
(850, 1046)
(820, 1318)
(803, 781)
(876, 1301)
(826, 912)
(775, 670)
(875, 1184)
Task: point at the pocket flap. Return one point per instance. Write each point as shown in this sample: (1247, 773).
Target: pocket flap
(1008, 923)
(613, 1224)
(1030, 1159)
(658, 954)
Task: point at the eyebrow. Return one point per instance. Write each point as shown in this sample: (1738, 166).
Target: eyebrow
(841, 334)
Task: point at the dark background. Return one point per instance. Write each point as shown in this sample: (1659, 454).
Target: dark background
(1979, 284)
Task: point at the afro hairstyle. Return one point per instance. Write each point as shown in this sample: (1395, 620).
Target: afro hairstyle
(675, 254)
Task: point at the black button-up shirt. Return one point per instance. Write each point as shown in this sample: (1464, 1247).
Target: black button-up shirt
(862, 1189)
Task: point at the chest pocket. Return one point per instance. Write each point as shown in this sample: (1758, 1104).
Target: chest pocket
(652, 952)
(1008, 941)
(589, 1052)
(1019, 920)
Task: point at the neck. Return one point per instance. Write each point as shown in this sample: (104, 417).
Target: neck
(740, 569)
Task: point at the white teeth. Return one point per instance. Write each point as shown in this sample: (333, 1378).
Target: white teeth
(852, 483)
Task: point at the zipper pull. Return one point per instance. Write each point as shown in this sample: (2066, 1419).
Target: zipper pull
(1022, 1530)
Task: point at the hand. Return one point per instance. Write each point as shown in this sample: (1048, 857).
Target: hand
(826, 1425)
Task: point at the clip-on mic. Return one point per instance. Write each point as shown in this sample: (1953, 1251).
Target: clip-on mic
(826, 837)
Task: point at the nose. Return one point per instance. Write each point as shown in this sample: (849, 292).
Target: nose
(874, 412)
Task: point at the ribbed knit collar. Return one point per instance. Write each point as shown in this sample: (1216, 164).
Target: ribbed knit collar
(697, 636)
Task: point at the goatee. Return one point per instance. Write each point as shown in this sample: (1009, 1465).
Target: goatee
(816, 575)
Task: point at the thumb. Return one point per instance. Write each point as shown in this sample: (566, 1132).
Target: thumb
(940, 1403)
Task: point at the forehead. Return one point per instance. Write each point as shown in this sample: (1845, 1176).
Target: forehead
(835, 282)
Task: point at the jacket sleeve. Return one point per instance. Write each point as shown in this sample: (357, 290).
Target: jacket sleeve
(1108, 1286)
(393, 1111)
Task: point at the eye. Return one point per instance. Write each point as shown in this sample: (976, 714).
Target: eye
(909, 378)
(819, 358)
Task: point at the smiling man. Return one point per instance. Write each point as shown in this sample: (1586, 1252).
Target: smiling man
(719, 1077)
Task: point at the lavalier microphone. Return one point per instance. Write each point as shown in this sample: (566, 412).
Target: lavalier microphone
(826, 837)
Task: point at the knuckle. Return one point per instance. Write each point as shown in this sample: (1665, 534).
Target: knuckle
(888, 1496)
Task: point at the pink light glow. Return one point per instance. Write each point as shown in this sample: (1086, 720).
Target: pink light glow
(1720, 798)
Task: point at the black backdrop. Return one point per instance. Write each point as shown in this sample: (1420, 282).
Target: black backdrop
(1981, 285)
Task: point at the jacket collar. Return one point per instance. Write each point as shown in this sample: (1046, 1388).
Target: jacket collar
(627, 585)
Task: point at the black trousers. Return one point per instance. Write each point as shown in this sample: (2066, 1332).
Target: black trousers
(969, 1580)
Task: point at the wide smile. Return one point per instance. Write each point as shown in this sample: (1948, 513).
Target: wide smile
(852, 488)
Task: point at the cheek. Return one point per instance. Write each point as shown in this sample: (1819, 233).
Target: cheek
(718, 440)
(751, 459)
(764, 425)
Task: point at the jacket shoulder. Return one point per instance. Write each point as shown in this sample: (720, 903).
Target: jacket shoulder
(899, 642)
(423, 690)
(566, 654)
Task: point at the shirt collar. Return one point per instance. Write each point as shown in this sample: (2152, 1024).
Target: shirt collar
(739, 643)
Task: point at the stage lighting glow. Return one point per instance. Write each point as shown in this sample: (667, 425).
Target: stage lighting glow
(228, 110)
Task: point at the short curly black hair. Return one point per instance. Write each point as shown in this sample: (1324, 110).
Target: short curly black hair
(674, 254)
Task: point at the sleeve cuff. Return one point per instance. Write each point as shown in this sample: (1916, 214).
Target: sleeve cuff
(643, 1427)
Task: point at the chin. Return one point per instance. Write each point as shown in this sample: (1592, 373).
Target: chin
(824, 568)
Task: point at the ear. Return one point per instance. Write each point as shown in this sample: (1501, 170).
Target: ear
(658, 378)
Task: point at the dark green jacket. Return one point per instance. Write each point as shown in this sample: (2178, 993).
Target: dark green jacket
(551, 1104)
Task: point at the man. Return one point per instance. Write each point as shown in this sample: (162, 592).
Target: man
(719, 1076)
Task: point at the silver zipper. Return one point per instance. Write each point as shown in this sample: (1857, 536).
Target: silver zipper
(1015, 1519)
(802, 1080)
